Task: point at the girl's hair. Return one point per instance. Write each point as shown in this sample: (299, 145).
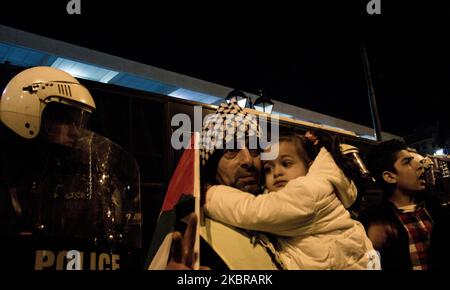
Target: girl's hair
(332, 144)
(304, 148)
(308, 151)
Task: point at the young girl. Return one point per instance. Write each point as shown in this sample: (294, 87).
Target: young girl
(305, 207)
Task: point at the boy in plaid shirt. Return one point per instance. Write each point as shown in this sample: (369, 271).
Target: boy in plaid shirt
(401, 227)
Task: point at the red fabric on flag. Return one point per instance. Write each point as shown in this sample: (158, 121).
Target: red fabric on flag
(182, 181)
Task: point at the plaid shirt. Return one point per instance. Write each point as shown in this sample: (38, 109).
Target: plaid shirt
(418, 225)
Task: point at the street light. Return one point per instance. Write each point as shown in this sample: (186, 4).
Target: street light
(263, 103)
(240, 97)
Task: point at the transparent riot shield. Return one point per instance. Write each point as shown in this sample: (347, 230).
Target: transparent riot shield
(81, 209)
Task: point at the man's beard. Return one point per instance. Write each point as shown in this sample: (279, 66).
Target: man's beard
(251, 186)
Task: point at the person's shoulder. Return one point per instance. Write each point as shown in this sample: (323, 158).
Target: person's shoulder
(386, 206)
(380, 210)
(435, 205)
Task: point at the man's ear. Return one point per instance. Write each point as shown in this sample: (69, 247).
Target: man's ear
(389, 177)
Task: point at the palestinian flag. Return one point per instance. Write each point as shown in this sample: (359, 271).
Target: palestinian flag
(182, 197)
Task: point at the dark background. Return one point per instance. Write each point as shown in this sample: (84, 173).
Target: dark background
(306, 54)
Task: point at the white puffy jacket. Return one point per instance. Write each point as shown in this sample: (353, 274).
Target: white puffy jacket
(315, 229)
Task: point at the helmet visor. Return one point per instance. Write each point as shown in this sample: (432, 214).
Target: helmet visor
(62, 123)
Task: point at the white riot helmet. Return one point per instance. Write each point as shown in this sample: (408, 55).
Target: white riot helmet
(31, 91)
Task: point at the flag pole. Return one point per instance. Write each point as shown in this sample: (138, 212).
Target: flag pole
(197, 198)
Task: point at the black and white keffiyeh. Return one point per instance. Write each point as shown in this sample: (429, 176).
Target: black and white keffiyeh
(229, 123)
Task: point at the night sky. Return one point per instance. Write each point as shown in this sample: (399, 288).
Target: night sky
(303, 54)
